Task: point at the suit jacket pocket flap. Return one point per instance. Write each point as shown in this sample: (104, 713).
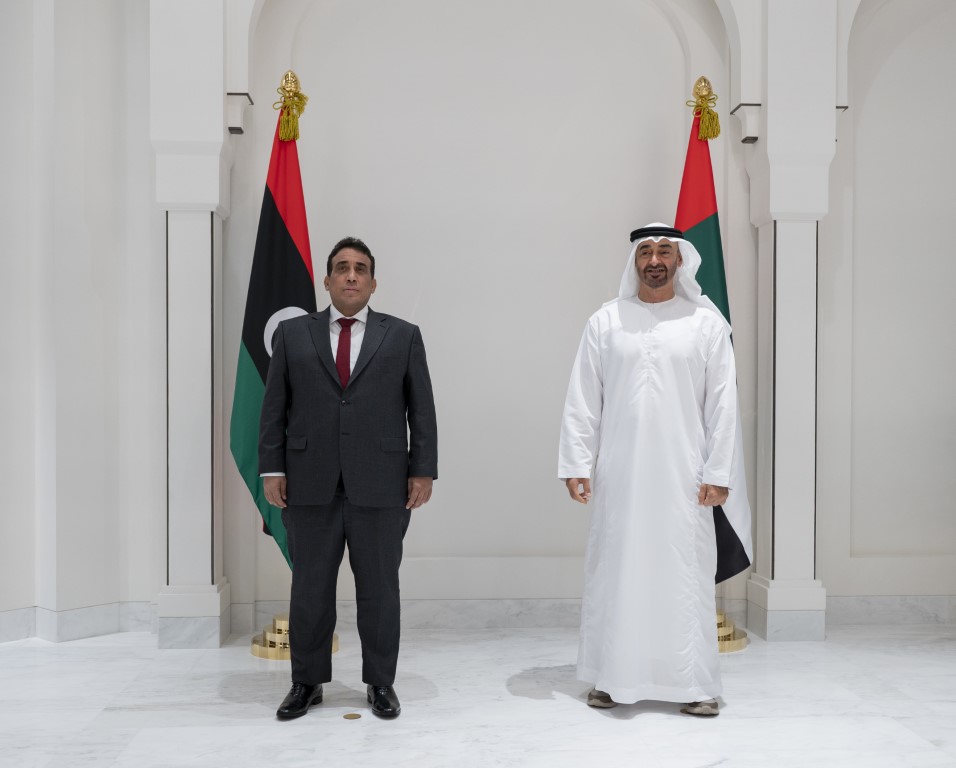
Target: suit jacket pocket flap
(394, 444)
(296, 442)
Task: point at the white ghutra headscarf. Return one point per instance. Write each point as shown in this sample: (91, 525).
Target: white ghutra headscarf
(685, 281)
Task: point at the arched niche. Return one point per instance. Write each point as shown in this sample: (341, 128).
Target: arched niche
(494, 156)
(886, 359)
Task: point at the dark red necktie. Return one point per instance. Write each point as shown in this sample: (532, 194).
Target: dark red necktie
(343, 356)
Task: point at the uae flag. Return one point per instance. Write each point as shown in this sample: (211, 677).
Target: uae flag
(281, 286)
(697, 219)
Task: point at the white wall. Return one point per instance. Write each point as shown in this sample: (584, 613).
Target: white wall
(83, 246)
(495, 157)
(887, 360)
(142, 332)
(17, 542)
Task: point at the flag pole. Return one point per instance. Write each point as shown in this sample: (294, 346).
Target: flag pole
(281, 286)
(697, 218)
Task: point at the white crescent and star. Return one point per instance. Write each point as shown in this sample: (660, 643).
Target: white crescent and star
(286, 313)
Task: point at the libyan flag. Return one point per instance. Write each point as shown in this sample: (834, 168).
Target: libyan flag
(281, 286)
(697, 219)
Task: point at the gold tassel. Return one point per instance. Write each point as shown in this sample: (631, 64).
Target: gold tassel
(292, 104)
(703, 103)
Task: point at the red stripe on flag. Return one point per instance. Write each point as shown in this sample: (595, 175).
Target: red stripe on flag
(697, 198)
(285, 184)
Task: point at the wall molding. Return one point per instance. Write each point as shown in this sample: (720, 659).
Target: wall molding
(249, 618)
(891, 609)
(455, 613)
(77, 623)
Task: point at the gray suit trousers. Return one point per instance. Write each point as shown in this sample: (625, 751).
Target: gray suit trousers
(317, 537)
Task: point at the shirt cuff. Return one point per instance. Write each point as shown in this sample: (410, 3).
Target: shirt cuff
(720, 480)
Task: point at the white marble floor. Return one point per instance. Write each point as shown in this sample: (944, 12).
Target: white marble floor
(867, 696)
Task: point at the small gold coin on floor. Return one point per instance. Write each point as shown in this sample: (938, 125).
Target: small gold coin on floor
(352, 716)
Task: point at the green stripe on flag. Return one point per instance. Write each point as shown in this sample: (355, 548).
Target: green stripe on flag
(706, 239)
(244, 443)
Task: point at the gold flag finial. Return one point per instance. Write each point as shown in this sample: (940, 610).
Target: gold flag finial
(703, 103)
(292, 104)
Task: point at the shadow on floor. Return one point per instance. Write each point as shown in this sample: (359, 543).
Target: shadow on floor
(543, 683)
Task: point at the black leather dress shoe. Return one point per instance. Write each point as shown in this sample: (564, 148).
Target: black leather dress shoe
(384, 701)
(298, 700)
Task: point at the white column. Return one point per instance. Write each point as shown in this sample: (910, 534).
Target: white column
(789, 170)
(43, 338)
(187, 125)
(786, 602)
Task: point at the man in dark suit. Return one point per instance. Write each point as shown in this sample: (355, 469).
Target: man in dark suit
(347, 448)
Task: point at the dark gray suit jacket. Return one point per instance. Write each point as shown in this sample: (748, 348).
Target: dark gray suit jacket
(377, 433)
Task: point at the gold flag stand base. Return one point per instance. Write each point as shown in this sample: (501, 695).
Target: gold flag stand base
(729, 638)
(273, 641)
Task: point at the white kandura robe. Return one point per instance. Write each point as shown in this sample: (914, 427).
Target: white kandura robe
(652, 406)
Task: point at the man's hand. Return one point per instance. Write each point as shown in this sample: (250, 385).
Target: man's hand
(274, 486)
(419, 492)
(579, 488)
(712, 495)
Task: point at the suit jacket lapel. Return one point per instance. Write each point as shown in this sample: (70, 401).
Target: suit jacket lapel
(375, 329)
(323, 345)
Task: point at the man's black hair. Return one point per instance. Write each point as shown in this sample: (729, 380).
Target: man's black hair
(356, 245)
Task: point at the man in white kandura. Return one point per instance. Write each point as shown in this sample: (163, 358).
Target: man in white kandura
(652, 411)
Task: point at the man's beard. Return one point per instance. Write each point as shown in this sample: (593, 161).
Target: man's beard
(656, 277)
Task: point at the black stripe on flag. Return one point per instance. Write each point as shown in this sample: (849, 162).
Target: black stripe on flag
(279, 279)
